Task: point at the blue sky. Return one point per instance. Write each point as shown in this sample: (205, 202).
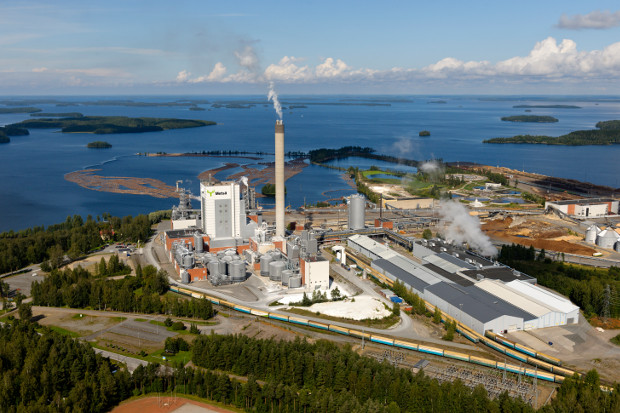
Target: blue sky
(203, 47)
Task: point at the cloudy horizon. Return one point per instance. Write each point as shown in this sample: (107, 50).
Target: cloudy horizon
(204, 48)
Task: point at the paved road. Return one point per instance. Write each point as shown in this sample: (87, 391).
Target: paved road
(130, 362)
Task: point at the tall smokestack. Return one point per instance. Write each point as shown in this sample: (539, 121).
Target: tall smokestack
(280, 178)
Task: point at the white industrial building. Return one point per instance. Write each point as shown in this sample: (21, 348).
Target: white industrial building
(586, 208)
(568, 313)
(479, 293)
(546, 315)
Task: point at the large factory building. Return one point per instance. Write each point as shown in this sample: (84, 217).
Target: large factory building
(479, 293)
(217, 242)
(586, 208)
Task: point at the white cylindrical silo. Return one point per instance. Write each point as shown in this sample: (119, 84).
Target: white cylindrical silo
(357, 211)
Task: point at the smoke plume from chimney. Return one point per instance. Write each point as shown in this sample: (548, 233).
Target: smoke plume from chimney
(460, 227)
(273, 96)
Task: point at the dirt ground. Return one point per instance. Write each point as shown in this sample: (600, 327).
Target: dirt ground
(607, 324)
(89, 263)
(541, 233)
(84, 326)
(167, 404)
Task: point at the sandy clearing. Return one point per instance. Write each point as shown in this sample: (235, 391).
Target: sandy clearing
(362, 308)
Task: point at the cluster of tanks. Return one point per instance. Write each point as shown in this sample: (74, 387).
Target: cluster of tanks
(607, 238)
(280, 268)
(224, 267)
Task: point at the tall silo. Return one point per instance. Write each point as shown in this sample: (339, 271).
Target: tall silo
(265, 260)
(357, 211)
(198, 243)
(591, 233)
(606, 238)
(275, 270)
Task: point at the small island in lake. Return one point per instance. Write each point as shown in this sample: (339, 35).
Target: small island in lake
(99, 145)
(608, 133)
(9, 130)
(57, 115)
(111, 124)
(547, 106)
(530, 118)
(19, 110)
(424, 133)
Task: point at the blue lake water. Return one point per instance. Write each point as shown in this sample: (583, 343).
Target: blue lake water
(34, 191)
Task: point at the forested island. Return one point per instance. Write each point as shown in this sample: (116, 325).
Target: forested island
(111, 124)
(99, 145)
(57, 115)
(547, 106)
(9, 130)
(530, 118)
(608, 133)
(19, 110)
(424, 133)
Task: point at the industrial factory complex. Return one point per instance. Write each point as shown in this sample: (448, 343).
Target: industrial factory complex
(226, 241)
(216, 242)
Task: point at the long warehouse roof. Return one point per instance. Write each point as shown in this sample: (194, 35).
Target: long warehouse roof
(543, 296)
(404, 276)
(373, 246)
(447, 262)
(477, 303)
(499, 290)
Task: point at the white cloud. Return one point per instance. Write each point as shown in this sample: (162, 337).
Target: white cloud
(183, 76)
(287, 70)
(549, 61)
(218, 72)
(594, 20)
(247, 58)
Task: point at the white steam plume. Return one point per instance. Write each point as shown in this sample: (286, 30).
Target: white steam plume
(433, 169)
(244, 181)
(273, 96)
(461, 227)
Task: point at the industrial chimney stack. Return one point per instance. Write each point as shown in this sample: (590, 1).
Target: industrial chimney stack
(280, 179)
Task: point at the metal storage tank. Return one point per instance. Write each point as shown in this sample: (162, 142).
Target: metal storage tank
(617, 247)
(275, 270)
(223, 268)
(237, 271)
(185, 278)
(313, 246)
(357, 211)
(294, 282)
(591, 233)
(213, 267)
(607, 238)
(198, 243)
(275, 254)
(294, 252)
(286, 275)
(265, 260)
(188, 261)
